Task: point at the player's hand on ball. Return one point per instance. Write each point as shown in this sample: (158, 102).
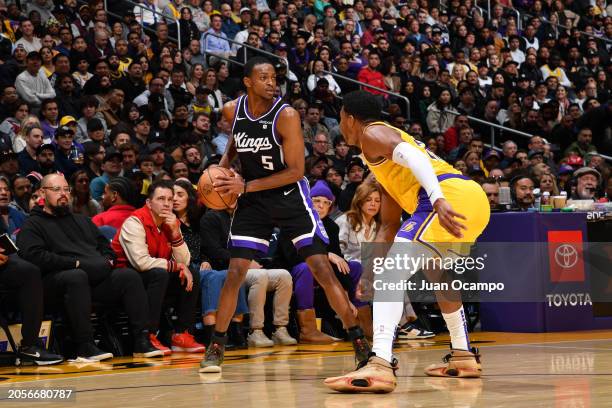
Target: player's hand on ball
(185, 277)
(226, 185)
(447, 217)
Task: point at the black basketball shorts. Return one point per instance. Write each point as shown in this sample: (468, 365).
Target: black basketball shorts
(289, 208)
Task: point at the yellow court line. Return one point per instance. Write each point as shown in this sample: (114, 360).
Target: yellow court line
(126, 365)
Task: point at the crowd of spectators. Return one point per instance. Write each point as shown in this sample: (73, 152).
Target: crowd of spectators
(108, 117)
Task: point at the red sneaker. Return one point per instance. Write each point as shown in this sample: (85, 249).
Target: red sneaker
(186, 343)
(157, 344)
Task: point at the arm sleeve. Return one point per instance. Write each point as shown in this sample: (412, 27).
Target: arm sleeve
(133, 240)
(410, 157)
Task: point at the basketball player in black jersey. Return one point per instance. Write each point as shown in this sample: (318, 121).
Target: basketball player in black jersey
(267, 138)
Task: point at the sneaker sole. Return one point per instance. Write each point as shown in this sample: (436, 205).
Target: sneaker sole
(156, 353)
(189, 350)
(454, 373)
(284, 343)
(361, 385)
(101, 357)
(405, 337)
(271, 344)
(24, 361)
(210, 369)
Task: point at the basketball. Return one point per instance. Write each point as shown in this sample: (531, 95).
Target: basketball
(208, 196)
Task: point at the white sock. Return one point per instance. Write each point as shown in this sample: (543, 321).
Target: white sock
(457, 327)
(386, 316)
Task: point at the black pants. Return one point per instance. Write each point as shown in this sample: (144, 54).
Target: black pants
(24, 278)
(72, 289)
(161, 284)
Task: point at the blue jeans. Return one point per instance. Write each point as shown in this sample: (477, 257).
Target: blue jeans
(212, 282)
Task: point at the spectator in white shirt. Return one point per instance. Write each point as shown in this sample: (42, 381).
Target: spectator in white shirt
(32, 84)
(515, 51)
(28, 40)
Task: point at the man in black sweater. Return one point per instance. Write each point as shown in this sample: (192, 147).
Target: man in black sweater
(76, 262)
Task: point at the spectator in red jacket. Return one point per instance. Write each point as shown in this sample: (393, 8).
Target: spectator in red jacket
(117, 201)
(371, 74)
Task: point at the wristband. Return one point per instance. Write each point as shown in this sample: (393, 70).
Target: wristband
(245, 188)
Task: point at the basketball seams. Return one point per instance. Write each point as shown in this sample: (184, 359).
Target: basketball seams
(206, 201)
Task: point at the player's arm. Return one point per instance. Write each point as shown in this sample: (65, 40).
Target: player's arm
(230, 150)
(289, 128)
(389, 144)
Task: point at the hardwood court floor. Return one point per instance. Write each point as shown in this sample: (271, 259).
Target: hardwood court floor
(520, 370)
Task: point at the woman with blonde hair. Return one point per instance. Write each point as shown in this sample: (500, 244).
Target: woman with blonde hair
(360, 223)
(457, 75)
(19, 142)
(548, 182)
(196, 78)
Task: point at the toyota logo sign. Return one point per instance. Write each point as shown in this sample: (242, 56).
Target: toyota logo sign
(566, 256)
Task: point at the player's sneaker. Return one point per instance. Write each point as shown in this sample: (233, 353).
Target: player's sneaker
(411, 331)
(158, 345)
(214, 355)
(374, 375)
(458, 364)
(36, 355)
(186, 343)
(360, 344)
(281, 336)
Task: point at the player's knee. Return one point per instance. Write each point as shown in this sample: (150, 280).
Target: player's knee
(235, 277)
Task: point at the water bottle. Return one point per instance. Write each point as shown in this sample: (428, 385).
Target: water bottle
(538, 199)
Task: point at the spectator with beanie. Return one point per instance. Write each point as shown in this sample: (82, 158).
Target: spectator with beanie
(45, 158)
(151, 242)
(77, 266)
(355, 171)
(348, 273)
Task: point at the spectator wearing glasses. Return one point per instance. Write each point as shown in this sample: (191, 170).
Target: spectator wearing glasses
(76, 262)
(320, 146)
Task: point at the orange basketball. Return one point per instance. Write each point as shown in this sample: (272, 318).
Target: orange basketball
(208, 196)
